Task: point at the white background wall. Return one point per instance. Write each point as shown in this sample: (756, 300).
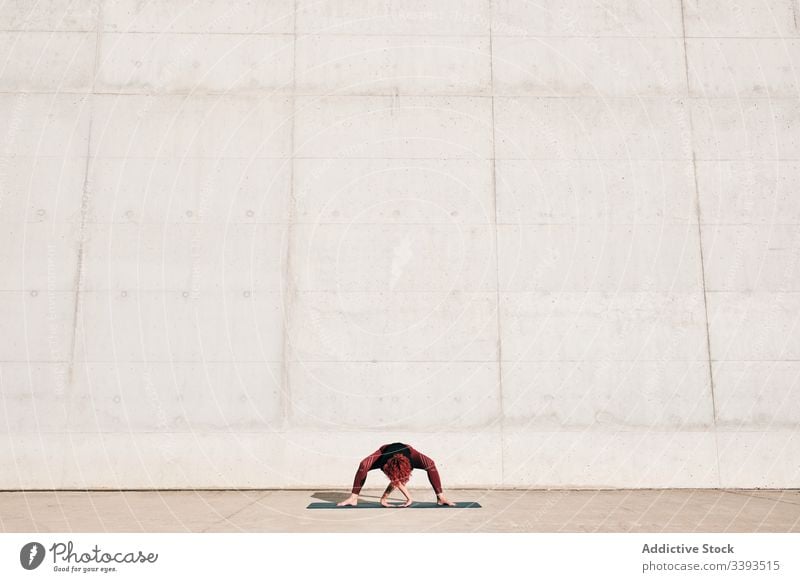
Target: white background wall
(549, 243)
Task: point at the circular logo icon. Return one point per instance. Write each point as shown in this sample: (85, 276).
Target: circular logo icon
(31, 555)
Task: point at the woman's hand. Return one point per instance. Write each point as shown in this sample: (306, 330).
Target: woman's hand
(385, 496)
(407, 495)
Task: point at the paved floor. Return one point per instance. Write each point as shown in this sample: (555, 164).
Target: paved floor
(503, 511)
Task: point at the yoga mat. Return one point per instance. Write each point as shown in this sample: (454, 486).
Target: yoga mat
(376, 505)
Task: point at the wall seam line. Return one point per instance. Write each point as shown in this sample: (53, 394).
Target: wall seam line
(496, 255)
(84, 207)
(286, 405)
(700, 244)
(82, 225)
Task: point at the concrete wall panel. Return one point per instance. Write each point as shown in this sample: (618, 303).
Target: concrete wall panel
(601, 326)
(49, 15)
(187, 63)
(586, 192)
(331, 326)
(199, 257)
(387, 127)
(393, 191)
(752, 258)
(180, 326)
(194, 126)
(185, 191)
(424, 17)
(39, 326)
(41, 189)
(390, 65)
(610, 459)
(748, 192)
(199, 16)
(616, 67)
(765, 458)
(530, 128)
(37, 392)
(39, 257)
(744, 18)
(402, 257)
(605, 394)
(51, 125)
(746, 129)
(41, 454)
(730, 67)
(203, 396)
(576, 18)
(754, 325)
(757, 394)
(596, 258)
(394, 395)
(47, 61)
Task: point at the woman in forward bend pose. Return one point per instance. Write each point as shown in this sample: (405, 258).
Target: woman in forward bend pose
(396, 460)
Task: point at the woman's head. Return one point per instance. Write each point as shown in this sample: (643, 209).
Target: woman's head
(398, 469)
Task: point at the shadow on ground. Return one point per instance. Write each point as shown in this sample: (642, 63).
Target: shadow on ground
(337, 496)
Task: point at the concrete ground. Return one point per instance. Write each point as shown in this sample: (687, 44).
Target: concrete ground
(671, 510)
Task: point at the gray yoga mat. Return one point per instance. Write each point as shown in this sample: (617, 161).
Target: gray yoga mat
(377, 505)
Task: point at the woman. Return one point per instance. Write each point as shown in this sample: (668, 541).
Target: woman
(396, 460)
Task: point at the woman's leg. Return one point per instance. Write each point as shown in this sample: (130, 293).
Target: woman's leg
(361, 473)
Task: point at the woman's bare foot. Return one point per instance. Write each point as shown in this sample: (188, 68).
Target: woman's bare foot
(385, 502)
(352, 500)
(442, 500)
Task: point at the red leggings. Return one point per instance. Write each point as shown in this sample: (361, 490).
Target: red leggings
(418, 461)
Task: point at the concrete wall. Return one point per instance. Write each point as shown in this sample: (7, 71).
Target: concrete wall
(549, 243)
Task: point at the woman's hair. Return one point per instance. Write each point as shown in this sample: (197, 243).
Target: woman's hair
(398, 469)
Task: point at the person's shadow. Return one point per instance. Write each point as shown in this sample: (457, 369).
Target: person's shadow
(337, 496)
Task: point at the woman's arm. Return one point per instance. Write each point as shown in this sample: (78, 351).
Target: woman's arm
(366, 465)
(405, 492)
(421, 461)
(385, 496)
